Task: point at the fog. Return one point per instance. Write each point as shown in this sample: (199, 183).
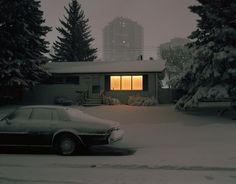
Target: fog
(162, 19)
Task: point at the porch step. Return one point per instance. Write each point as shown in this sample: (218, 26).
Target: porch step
(91, 105)
(93, 102)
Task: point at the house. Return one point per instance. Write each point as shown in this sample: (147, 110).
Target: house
(115, 79)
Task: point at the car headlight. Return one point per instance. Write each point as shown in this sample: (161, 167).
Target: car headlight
(115, 135)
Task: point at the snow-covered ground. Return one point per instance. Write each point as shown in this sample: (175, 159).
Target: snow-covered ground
(161, 145)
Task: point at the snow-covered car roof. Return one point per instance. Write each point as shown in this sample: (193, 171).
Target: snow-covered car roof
(106, 67)
(44, 106)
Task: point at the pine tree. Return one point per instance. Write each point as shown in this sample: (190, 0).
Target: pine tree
(22, 43)
(212, 72)
(75, 41)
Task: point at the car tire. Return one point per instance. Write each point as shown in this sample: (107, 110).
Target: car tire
(66, 145)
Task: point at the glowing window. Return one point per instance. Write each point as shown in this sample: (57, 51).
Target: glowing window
(137, 82)
(125, 82)
(115, 82)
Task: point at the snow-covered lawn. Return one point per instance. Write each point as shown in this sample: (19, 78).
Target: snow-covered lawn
(161, 145)
(163, 135)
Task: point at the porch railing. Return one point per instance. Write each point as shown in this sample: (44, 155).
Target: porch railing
(82, 96)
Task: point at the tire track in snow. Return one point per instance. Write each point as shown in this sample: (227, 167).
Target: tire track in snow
(129, 166)
(147, 167)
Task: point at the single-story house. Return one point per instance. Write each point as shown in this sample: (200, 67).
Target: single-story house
(115, 79)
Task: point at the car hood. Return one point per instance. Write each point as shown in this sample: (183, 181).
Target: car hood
(92, 124)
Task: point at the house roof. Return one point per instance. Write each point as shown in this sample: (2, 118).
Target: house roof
(105, 67)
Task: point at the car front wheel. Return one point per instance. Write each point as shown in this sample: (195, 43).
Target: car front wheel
(66, 145)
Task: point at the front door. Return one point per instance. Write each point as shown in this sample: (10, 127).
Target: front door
(95, 87)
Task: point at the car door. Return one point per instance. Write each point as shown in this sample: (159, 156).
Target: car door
(14, 128)
(42, 126)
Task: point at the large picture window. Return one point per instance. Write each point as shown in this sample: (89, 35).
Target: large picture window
(127, 82)
(115, 83)
(137, 82)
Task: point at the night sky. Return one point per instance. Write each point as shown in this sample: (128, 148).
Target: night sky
(162, 19)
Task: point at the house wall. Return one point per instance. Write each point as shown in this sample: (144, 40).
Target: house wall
(46, 93)
(169, 95)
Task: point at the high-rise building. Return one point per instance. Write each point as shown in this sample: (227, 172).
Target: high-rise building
(122, 40)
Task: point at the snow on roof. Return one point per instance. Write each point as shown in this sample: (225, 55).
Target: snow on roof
(105, 67)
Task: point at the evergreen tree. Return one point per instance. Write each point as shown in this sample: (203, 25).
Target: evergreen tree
(212, 72)
(75, 41)
(22, 43)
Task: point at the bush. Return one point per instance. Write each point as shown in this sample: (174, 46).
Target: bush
(141, 101)
(107, 100)
(62, 100)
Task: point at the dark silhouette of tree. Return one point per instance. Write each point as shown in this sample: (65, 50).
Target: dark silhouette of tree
(74, 44)
(212, 72)
(22, 44)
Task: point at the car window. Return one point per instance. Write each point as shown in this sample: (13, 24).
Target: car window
(41, 114)
(63, 115)
(20, 114)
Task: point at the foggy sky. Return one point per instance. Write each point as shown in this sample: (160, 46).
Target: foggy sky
(162, 19)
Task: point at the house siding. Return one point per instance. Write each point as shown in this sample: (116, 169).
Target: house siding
(46, 93)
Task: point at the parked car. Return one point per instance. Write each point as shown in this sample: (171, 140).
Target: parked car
(66, 129)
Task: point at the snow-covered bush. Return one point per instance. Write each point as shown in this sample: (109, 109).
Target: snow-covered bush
(141, 101)
(107, 100)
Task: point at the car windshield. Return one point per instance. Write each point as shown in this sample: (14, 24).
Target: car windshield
(20, 114)
(5, 115)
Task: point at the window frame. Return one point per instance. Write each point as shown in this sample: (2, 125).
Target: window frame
(36, 109)
(131, 83)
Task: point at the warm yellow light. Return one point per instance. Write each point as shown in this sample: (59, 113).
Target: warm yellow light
(126, 82)
(115, 83)
(137, 82)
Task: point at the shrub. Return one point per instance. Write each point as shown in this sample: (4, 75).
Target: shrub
(141, 101)
(107, 100)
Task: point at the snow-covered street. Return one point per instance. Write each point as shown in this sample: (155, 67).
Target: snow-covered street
(160, 145)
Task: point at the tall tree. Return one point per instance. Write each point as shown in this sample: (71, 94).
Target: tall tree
(22, 40)
(75, 41)
(177, 58)
(212, 73)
